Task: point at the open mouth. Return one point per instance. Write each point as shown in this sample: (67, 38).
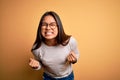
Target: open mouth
(48, 33)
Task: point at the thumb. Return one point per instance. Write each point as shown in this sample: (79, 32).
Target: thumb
(30, 59)
(73, 54)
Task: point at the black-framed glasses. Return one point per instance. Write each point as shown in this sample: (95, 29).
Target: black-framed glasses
(52, 25)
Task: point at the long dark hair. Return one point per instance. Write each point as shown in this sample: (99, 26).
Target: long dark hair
(61, 38)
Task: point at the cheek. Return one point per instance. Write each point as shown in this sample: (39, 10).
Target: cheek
(42, 32)
(56, 32)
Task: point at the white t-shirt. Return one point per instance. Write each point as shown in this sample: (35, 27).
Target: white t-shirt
(53, 58)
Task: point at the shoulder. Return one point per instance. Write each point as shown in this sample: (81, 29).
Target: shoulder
(72, 40)
(35, 51)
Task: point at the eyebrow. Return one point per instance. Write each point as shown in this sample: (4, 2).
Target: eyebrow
(48, 23)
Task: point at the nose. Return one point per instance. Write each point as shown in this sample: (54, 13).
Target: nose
(48, 27)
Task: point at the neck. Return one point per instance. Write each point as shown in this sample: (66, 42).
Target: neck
(52, 42)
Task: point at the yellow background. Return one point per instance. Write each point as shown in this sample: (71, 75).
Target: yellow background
(94, 23)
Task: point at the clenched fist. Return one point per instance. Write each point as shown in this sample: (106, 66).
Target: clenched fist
(34, 63)
(72, 57)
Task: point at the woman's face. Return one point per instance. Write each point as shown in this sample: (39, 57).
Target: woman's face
(49, 29)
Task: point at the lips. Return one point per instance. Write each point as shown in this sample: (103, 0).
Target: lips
(48, 33)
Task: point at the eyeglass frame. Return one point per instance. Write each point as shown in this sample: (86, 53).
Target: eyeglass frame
(52, 25)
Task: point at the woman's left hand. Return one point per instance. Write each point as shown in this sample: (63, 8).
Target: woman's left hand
(72, 57)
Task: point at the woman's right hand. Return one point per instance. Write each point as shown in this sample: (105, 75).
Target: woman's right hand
(34, 63)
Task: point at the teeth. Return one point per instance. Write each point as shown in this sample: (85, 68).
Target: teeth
(48, 33)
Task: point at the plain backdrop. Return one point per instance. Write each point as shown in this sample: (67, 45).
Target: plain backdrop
(94, 23)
